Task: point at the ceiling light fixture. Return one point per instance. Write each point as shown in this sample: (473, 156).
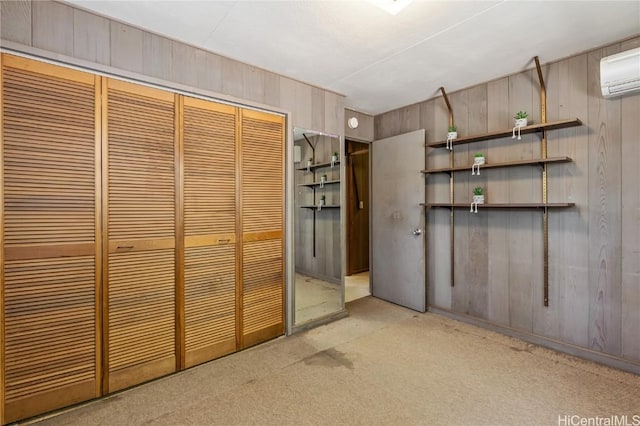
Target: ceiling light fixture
(391, 6)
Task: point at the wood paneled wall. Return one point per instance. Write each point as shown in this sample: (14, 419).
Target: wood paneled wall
(365, 130)
(326, 264)
(62, 29)
(594, 278)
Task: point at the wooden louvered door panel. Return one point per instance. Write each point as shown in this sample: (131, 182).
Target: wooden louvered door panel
(262, 159)
(209, 158)
(140, 270)
(51, 240)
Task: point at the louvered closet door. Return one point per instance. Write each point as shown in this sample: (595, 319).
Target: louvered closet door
(141, 228)
(50, 239)
(262, 161)
(209, 140)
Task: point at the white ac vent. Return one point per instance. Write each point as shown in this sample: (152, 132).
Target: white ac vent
(620, 73)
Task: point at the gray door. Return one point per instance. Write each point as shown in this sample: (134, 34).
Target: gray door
(397, 220)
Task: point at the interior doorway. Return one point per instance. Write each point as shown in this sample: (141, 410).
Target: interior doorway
(357, 284)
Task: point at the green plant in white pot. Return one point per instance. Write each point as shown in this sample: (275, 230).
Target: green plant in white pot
(478, 160)
(322, 202)
(452, 134)
(478, 198)
(521, 121)
(334, 159)
(478, 195)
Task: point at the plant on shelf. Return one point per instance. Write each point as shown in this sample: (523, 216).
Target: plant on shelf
(478, 198)
(478, 195)
(309, 164)
(334, 158)
(452, 133)
(323, 200)
(323, 180)
(521, 118)
(478, 159)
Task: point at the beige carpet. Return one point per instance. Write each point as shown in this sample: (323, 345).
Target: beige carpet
(382, 365)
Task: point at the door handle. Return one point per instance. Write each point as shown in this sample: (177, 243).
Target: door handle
(417, 232)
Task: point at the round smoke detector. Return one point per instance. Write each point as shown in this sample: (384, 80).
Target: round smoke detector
(352, 122)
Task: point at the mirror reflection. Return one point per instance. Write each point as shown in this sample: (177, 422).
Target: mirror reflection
(318, 279)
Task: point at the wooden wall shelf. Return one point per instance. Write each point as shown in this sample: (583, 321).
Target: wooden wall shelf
(327, 206)
(508, 132)
(537, 161)
(329, 182)
(502, 205)
(318, 166)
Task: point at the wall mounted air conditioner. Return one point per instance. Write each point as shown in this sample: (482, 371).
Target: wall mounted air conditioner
(620, 73)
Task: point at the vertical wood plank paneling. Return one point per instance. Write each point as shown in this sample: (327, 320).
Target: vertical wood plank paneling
(262, 165)
(498, 117)
(574, 226)
(317, 108)
(272, 89)
(303, 106)
(630, 135)
(365, 130)
(208, 70)
(253, 83)
(334, 114)
(604, 214)
(53, 26)
(183, 56)
(91, 39)
(461, 262)
(521, 223)
(157, 56)
(49, 285)
(141, 231)
(442, 219)
(288, 98)
(127, 47)
(15, 21)
(232, 81)
(478, 244)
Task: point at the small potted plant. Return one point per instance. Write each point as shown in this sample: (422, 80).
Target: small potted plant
(334, 159)
(309, 164)
(452, 132)
(323, 180)
(478, 195)
(478, 158)
(521, 119)
(323, 200)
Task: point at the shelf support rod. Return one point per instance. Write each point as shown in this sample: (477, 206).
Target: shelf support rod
(451, 194)
(446, 101)
(545, 198)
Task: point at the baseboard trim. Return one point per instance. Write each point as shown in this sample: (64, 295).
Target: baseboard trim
(332, 280)
(319, 321)
(556, 345)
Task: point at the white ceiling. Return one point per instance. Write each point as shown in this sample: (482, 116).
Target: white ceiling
(377, 60)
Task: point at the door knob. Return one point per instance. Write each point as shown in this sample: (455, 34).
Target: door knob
(417, 231)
